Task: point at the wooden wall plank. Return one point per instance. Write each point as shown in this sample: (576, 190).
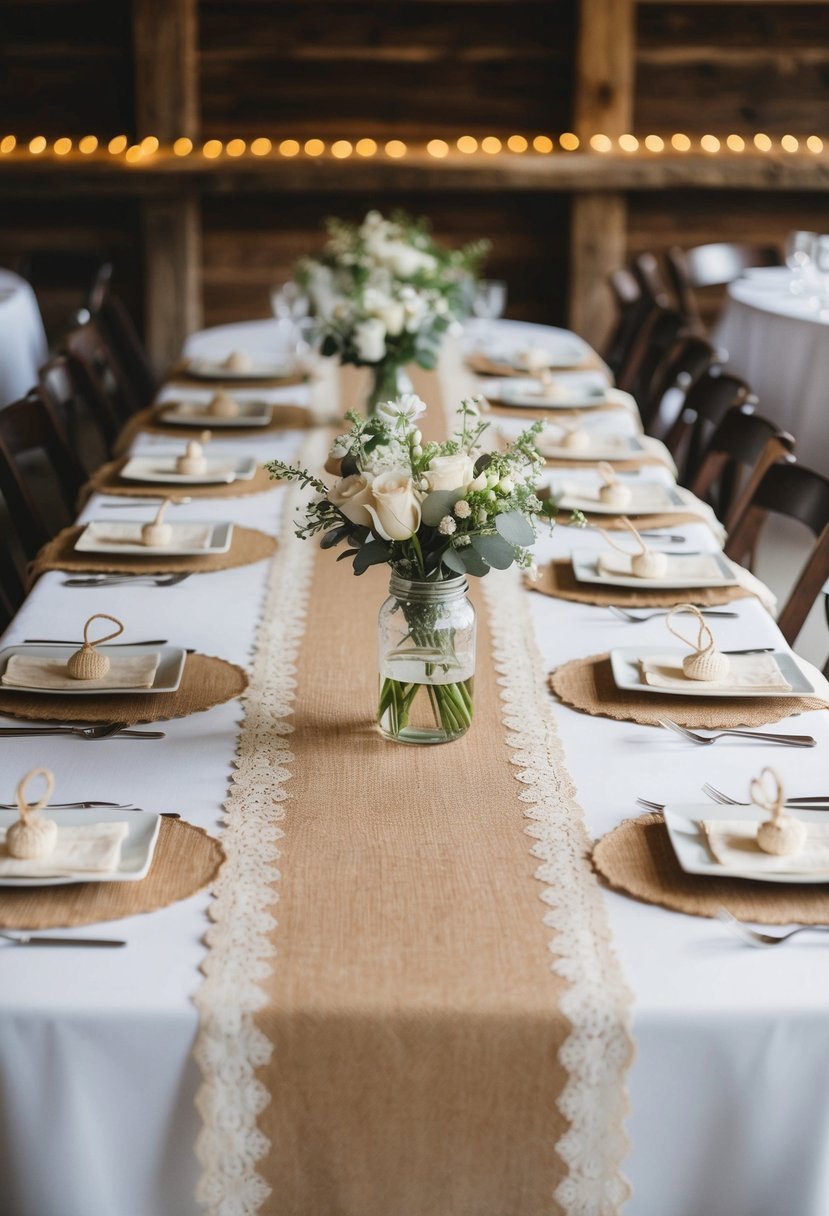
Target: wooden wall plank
(172, 270)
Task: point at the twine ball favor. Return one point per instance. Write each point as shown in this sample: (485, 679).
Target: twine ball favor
(32, 837)
(575, 439)
(613, 492)
(238, 361)
(222, 405)
(194, 460)
(87, 663)
(781, 835)
(647, 563)
(157, 533)
(706, 663)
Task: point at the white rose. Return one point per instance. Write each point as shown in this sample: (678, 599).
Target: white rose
(393, 316)
(370, 340)
(395, 508)
(450, 472)
(351, 495)
(406, 261)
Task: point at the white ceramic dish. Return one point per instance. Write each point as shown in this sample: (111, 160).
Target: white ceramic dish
(624, 664)
(562, 353)
(528, 393)
(684, 824)
(221, 470)
(602, 447)
(586, 571)
(260, 369)
(647, 498)
(106, 536)
(136, 850)
(251, 414)
(167, 676)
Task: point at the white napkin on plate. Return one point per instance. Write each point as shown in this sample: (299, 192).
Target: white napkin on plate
(747, 672)
(92, 848)
(650, 498)
(185, 536)
(733, 842)
(46, 672)
(694, 568)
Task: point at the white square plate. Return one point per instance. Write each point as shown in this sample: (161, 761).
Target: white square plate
(525, 391)
(260, 369)
(601, 447)
(107, 536)
(586, 570)
(561, 352)
(221, 470)
(684, 824)
(194, 413)
(136, 850)
(624, 663)
(647, 498)
(167, 676)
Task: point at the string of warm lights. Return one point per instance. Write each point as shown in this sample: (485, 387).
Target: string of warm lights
(150, 147)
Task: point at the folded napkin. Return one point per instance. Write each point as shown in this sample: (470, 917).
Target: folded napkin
(693, 568)
(733, 842)
(185, 536)
(747, 672)
(645, 498)
(92, 848)
(46, 672)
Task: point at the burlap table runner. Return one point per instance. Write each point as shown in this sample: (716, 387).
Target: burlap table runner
(106, 480)
(556, 578)
(637, 858)
(186, 859)
(247, 546)
(588, 686)
(206, 681)
(149, 421)
(411, 975)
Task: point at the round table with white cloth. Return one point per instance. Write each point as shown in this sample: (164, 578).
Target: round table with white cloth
(23, 347)
(778, 341)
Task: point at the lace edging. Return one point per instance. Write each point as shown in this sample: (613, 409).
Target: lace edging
(599, 1047)
(229, 1047)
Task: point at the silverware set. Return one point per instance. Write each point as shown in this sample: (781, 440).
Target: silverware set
(711, 736)
(40, 939)
(637, 618)
(116, 580)
(102, 730)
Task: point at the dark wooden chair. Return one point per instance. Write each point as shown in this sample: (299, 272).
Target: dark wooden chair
(87, 417)
(632, 311)
(714, 265)
(681, 366)
(791, 490)
(647, 271)
(39, 475)
(12, 589)
(656, 336)
(743, 447)
(706, 404)
(101, 373)
(118, 328)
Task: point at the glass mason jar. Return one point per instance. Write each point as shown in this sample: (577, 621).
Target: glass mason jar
(426, 660)
(389, 380)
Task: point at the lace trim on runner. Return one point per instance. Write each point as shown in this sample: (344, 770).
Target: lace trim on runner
(229, 1047)
(599, 1048)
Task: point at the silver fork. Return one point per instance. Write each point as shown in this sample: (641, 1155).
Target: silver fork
(763, 940)
(765, 737)
(817, 803)
(637, 619)
(106, 730)
(647, 805)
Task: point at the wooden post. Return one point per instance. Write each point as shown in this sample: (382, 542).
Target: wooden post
(167, 106)
(603, 104)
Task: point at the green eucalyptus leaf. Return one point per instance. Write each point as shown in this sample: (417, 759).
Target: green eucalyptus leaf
(515, 528)
(437, 504)
(334, 536)
(453, 561)
(473, 562)
(494, 550)
(372, 554)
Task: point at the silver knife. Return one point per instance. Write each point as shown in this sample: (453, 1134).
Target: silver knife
(28, 939)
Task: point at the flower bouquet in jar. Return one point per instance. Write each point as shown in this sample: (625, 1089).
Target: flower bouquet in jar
(384, 293)
(435, 513)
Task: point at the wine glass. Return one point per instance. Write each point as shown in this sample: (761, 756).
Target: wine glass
(799, 250)
(290, 305)
(820, 259)
(488, 303)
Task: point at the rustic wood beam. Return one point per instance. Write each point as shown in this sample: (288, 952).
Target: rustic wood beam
(165, 48)
(603, 103)
(173, 272)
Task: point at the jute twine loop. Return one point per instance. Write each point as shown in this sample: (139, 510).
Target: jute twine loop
(157, 532)
(612, 491)
(647, 563)
(780, 834)
(87, 663)
(32, 837)
(706, 663)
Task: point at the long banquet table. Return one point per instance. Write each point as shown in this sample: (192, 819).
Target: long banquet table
(728, 1088)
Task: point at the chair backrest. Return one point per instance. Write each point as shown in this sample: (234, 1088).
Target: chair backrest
(706, 404)
(712, 265)
(682, 365)
(90, 422)
(119, 329)
(30, 429)
(632, 310)
(12, 590)
(647, 271)
(656, 336)
(92, 358)
(743, 447)
(800, 493)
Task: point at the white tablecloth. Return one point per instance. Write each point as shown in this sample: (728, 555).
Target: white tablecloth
(730, 1085)
(22, 337)
(779, 343)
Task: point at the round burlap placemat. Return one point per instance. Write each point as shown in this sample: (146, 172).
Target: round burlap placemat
(637, 859)
(588, 686)
(613, 523)
(552, 413)
(558, 580)
(106, 481)
(284, 417)
(206, 681)
(186, 860)
(246, 547)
